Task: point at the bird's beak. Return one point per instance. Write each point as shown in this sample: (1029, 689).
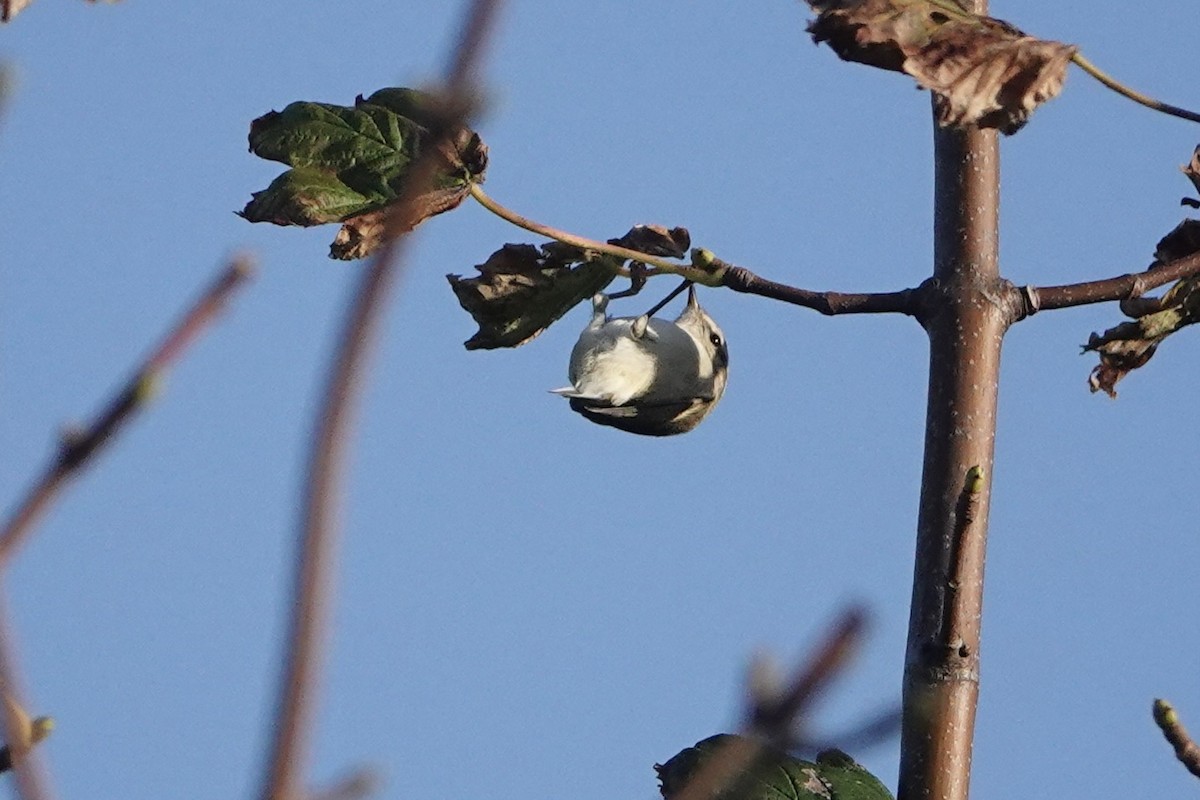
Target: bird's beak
(692, 303)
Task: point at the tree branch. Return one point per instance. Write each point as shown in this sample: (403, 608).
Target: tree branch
(740, 279)
(1186, 749)
(78, 447)
(964, 313)
(315, 560)
(1121, 287)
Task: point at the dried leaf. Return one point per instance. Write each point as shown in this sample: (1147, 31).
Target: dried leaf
(521, 290)
(1192, 170)
(348, 163)
(983, 71)
(656, 240)
(1130, 345)
(1182, 241)
(361, 235)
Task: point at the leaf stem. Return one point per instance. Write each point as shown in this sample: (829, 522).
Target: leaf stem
(692, 272)
(1137, 97)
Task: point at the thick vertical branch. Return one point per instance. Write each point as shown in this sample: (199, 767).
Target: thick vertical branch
(965, 309)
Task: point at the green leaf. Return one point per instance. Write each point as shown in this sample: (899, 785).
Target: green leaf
(773, 775)
(305, 197)
(521, 290)
(410, 103)
(336, 138)
(849, 780)
(349, 163)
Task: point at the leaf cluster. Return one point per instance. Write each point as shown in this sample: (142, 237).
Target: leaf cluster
(1130, 345)
(348, 163)
(521, 289)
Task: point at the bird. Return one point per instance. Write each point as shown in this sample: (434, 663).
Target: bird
(646, 375)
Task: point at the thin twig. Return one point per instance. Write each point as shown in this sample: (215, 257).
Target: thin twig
(1108, 289)
(770, 720)
(358, 784)
(707, 270)
(77, 448)
(825, 662)
(311, 607)
(741, 279)
(690, 271)
(31, 780)
(877, 728)
(1186, 749)
(6, 86)
(1135, 96)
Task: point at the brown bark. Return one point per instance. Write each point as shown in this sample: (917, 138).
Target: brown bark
(965, 308)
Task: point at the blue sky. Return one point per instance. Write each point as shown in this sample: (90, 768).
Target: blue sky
(531, 605)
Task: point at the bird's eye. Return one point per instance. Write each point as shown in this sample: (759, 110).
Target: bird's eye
(715, 338)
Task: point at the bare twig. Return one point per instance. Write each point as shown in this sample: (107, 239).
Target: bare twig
(77, 448)
(311, 608)
(359, 783)
(1109, 289)
(871, 731)
(1186, 749)
(6, 86)
(772, 717)
(741, 279)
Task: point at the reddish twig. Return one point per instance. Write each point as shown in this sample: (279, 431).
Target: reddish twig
(1109, 289)
(310, 611)
(1186, 749)
(359, 783)
(775, 717)
(77, 448)
(741, 279)
(772, 716)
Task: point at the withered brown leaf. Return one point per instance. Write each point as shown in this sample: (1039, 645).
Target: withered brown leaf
(656, 240)
(521, 290)
(1130, 345)
(982, 70)
(1192, 171)
(361, 235)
